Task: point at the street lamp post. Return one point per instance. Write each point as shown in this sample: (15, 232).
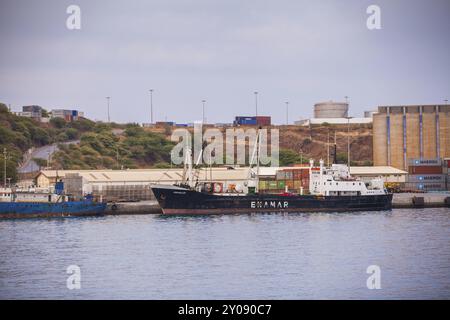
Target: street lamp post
(203, 111)
(256, 102)
(287, 112)
(107, 100)
(151, 106)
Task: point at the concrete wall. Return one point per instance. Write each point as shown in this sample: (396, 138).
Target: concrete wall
(379, 140)
(396, 153)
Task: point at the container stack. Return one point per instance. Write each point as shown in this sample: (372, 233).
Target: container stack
(252, 121)
(446, 169)
(295, 180)
(426, 175)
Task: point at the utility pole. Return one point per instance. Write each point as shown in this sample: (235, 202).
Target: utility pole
(256, 102)
(151, 106)
(107, 99)
(4, 167)
(203, 111)
(287, 112)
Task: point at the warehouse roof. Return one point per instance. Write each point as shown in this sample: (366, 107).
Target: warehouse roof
(171, 175)
(146, 175)
(377, 170)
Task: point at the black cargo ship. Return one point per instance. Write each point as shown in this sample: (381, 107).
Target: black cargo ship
(330, 189)
(178, 200)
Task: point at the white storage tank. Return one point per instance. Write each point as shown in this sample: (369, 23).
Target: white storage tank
(331, 109)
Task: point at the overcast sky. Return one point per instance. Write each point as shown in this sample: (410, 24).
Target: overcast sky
(222, 51)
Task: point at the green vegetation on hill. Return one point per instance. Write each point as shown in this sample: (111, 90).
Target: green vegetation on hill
(102, 149)
(99, 147)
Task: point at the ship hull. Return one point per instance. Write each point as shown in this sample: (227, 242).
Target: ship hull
(50, 209)
(179, 201)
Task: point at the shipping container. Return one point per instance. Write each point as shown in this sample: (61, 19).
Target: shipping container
(272, 185)
(280, 175)
(425, 162)
(290, 184)
(245, 121)
(426, 178)
(425, 170)
(262, 185)
(289, 175)
(425, 186)
(263, 120)
(447, 163)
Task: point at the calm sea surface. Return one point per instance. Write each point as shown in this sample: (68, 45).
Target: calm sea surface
(267, 256)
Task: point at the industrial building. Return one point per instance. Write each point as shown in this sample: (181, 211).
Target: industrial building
(331, 109)
(33, 111)
(334, 113)
(67, 115)
(401, 133)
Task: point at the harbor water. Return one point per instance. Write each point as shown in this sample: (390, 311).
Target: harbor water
(266, 256)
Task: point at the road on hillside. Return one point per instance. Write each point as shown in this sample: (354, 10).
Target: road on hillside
(29, 165)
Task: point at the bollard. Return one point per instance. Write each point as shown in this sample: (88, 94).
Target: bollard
(418, 202)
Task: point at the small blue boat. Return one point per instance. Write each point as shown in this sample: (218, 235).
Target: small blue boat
(41, 204)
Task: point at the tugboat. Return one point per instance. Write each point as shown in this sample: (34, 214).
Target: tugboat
(32, 204)
(331, 189)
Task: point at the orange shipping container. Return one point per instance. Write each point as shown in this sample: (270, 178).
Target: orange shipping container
(425, 169)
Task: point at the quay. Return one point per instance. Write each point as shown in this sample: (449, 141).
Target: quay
(421, 200)
(139, 207)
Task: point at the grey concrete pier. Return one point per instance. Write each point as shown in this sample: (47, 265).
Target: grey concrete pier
(421, 200)
(141, 207)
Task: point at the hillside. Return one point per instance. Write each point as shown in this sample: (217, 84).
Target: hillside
(101, 145)
(304, 143)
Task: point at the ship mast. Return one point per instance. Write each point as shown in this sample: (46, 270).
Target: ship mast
(255, 155)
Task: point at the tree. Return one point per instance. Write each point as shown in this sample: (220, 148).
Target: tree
(58, 122)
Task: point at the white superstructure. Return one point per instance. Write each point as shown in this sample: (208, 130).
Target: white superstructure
(336, 181)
